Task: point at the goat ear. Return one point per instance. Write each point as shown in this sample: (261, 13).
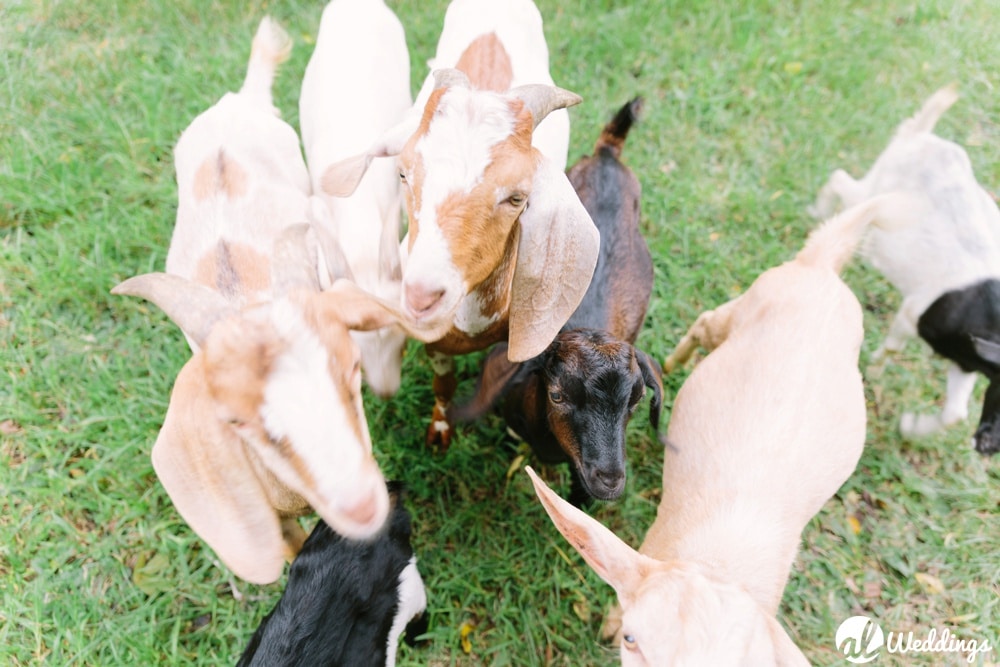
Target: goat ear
(497, 374)
(615, 562)
(362, 311)
(786, 653)
(191, 306)
(213, 485)
(653, 378)
(341, 178)
(556, 257)
(987, 349)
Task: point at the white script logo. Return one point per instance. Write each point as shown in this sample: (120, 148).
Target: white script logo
(859, 639)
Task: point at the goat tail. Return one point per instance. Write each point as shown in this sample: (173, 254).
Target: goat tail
(932, 110)
(614, 133)
(833, 243)
(271, 47)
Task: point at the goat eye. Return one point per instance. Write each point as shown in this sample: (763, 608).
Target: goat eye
(629, 642)
(556, 396)
(516, 200)
(402, 177)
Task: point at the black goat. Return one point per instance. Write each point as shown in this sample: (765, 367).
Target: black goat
(346, 602)
(573, 401)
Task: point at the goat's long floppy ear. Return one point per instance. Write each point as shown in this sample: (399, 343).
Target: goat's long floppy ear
(212, 484)
(191, 306)
(341, 179)
(786, 653)
(653, 378)
(325, 231)
(556, 257)
(362, 311)
(497, 374)
(615, 562)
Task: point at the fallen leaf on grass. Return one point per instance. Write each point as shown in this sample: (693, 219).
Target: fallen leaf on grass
(463, 635)
(929, 582)
(148, 574)
(515, 465)
(10, 427)
(582, 610)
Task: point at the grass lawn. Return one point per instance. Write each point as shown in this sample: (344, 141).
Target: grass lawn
(749, 106)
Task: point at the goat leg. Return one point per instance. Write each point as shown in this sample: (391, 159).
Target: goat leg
(444, 385)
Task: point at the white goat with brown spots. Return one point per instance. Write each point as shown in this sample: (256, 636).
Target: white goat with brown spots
(499, 245)
(265, 420)
(764, 430)
(361, 48)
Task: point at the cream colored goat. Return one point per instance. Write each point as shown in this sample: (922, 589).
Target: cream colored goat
(265, 420)
(356, 86)
(764, 430)
(499, 246)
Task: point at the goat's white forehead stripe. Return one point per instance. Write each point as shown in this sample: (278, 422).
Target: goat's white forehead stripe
(456, 148)
(455, 152)
(301, 402)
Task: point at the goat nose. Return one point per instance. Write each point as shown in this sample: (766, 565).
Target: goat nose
(421, 300)
(611, 480)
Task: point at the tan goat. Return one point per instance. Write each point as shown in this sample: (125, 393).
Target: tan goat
(765, 429)
(265, 420)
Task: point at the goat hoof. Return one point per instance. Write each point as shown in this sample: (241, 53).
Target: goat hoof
(439, 436)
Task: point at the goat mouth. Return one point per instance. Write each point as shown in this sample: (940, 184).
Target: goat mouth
(603, 489)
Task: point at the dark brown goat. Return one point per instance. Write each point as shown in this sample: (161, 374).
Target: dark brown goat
(573, 401)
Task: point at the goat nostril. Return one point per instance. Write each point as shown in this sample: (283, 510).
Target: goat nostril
(611, 479)
(421, 300)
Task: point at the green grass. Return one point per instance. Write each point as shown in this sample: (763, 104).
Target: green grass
(749, 107)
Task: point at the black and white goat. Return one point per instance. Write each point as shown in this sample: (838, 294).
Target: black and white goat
(946, 263)
(573, 402)
(346, 601)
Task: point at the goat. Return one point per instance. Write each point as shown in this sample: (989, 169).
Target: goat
(265, 419)
(360, 48)
(573, 402)
(346, 602)
(499, 245)
(763, 431)
(946, 264)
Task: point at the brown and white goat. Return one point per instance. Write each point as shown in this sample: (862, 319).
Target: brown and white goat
(355, 87)
(946, 264)
(265, 420)
(573, 402)
(499, 246)
(764, 430)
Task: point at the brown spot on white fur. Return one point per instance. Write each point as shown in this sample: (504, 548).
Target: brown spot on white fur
(233, 269)
(487, 64)
(219, 174)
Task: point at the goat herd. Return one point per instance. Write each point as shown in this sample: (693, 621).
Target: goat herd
(290, 282)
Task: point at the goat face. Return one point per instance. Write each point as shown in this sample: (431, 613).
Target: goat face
(594, 383)
(467, 176)
(285, 379)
